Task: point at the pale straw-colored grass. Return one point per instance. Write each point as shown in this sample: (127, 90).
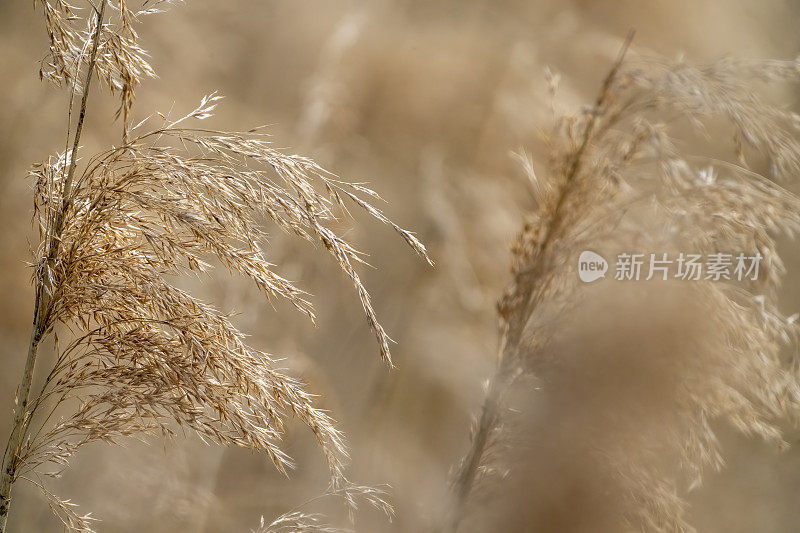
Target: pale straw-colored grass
(631, 152)
(139, 355)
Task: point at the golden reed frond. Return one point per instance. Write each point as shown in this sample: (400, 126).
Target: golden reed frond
(119, 227)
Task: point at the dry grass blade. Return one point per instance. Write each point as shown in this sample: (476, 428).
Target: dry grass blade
(297, 521)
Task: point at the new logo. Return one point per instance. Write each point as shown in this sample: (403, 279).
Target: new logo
(591, 266)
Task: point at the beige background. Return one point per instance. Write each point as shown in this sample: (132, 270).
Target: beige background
(424, 99)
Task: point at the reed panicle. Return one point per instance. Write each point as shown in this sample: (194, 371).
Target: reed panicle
(615, 168)
(143, 356)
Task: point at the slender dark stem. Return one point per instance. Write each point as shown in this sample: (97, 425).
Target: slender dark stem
(73, 159)
(39, 327)
(514, 328)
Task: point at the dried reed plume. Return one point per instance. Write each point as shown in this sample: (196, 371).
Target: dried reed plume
(629, 150)
(143, 355)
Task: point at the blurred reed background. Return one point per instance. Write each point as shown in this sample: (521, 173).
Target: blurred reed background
(424, 100)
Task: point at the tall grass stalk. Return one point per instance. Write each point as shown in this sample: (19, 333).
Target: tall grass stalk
(12, 449)
(515, 320)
